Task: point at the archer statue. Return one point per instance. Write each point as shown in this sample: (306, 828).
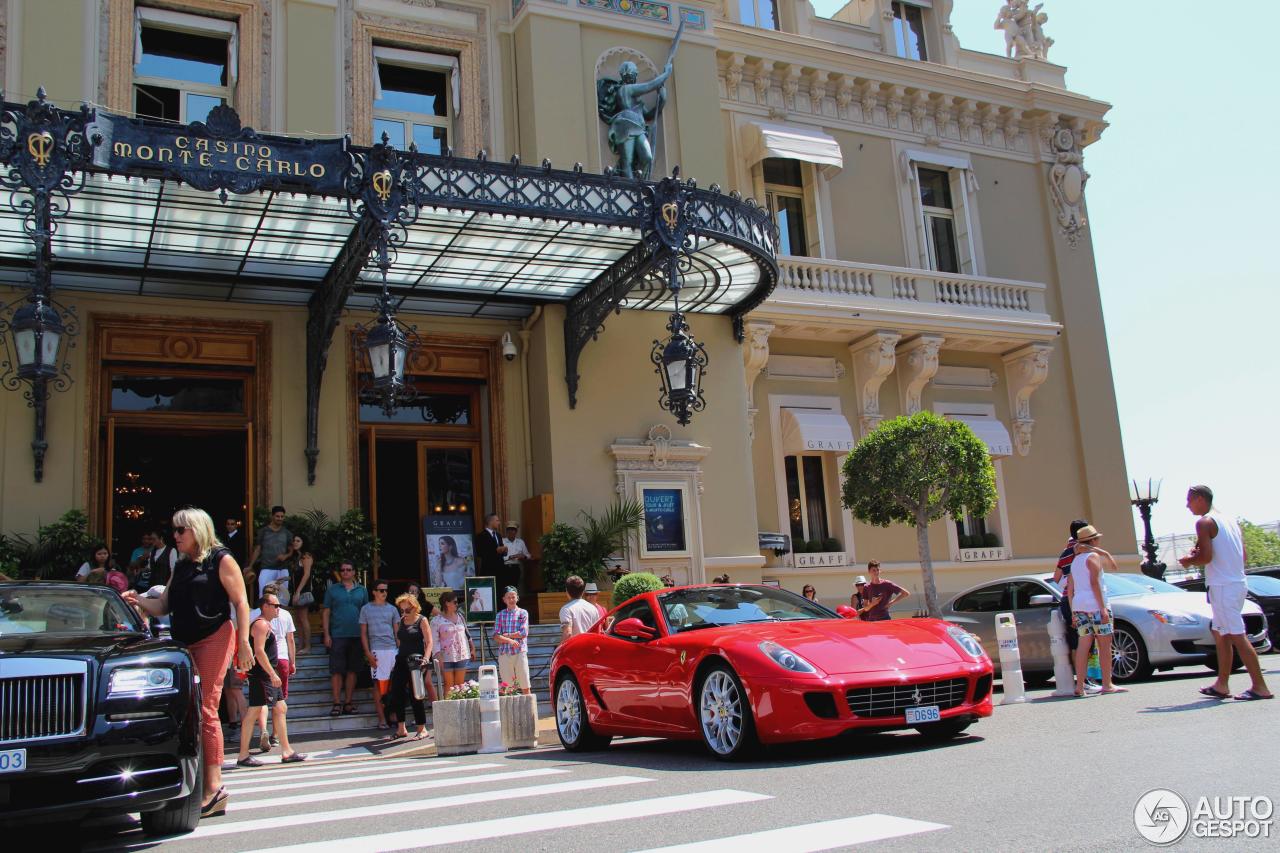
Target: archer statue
(631, 122)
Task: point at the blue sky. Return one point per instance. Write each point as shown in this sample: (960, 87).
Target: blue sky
(1179, 217)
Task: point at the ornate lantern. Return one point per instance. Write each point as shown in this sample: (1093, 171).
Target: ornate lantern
(388, 348)
(680, 361)
(38, 334)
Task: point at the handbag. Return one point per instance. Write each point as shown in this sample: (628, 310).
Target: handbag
(305, 599)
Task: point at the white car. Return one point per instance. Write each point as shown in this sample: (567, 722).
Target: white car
(1157, 625)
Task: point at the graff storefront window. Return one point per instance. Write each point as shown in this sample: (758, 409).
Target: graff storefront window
(183, 68)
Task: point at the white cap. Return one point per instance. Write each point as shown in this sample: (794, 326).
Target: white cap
(861, 579)
(590, 589)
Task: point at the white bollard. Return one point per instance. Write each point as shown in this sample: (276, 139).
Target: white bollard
(490, 711)
(1010, 659)
(1063, 676)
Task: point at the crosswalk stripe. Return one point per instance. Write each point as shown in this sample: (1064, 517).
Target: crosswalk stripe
(325, 796)
(396, 773)
(271, 824)
(504, 827)
(326, 755)
(811, 837)
(309, 771)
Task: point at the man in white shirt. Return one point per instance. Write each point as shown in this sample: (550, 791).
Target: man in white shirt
(1220, 549)
(283, 628)
(517, 553)
(579, 615)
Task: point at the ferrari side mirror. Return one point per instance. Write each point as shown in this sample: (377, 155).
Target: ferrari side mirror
(846, 612)
(634, 629)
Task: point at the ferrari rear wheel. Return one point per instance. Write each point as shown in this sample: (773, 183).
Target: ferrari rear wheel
(724, 715)
(571, 717)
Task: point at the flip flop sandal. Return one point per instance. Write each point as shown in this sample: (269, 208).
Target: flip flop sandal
(349, 708)
(1214, 694)
(336, 710)
(250, 762)
(1251, 696)
(296, 758)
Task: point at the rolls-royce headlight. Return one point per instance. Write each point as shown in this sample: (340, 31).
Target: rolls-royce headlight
(786, 658)
(966, 641)
(131, 680)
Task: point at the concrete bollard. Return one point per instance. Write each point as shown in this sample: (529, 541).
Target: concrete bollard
(1063, 676)
(1010, 659)
(490, 712)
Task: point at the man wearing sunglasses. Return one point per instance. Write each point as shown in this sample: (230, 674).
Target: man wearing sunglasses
(341, 621)
(265, 686)
(378, 640)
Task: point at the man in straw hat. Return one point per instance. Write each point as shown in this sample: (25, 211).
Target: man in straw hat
(1089, 611)
(1220, 549)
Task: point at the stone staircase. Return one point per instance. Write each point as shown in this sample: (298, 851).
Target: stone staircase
(309, 697)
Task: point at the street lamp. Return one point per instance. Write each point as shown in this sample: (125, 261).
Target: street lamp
(388, 348)
(38, 333)
(1144, 497)
(680, 362)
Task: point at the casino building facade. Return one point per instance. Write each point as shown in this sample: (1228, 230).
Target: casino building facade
(218, 266)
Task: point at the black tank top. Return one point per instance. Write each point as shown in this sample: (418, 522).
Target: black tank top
(410, 638)
(198, 603)
(269, 647)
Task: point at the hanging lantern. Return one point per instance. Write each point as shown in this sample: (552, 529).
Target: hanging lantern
(38, 335)
(388, 348)
(680, 362)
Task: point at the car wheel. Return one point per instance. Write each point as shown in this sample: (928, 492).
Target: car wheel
(1128, 654)
(571, 717)
(944, 730)
(724, 714)
(179, 816)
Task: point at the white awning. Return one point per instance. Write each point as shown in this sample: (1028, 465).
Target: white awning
(807, 431)
(991, 431)
(761, 140)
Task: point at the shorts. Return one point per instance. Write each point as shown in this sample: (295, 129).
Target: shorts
(1089, 622)
(284, 669)
(455, 664)
(384, 660)
(514, 669)
(1227, 601)
(346, 655)
(262, 693)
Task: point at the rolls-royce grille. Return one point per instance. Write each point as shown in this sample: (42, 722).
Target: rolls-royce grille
(41, 706)
(894, 700)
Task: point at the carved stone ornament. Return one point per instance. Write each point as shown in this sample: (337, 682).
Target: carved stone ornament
(1027, 369)
(921, 356)
(873, 360)
(1067, 179)
(1023, 29)
(660, 440)
(755, 356)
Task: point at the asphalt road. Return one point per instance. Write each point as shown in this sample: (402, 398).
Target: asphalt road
(1051, 774)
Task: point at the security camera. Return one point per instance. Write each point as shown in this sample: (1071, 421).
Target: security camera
(508, 347)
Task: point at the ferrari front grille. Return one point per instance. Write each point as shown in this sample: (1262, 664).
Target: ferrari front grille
(893, 700)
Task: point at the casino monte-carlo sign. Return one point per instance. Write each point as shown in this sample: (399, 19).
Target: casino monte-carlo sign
(219, 154)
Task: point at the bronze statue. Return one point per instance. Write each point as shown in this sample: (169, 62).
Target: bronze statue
(631, 122)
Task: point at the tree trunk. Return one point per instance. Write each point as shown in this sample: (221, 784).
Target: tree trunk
(926, 566)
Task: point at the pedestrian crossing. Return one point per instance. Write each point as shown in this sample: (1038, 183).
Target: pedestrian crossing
(368, 805)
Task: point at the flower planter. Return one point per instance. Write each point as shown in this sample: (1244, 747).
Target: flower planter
(457, 724)
(519, 721)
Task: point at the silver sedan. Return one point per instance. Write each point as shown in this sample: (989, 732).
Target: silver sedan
(1157, 625)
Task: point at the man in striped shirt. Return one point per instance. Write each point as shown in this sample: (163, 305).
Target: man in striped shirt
(511, 631)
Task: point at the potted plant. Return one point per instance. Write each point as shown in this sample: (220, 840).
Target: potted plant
(519, 717)
(456, 717)
(584, 551)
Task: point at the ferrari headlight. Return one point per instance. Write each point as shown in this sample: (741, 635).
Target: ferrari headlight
(786, 658)
(1171, 617)
(965, 640)
(134, 680)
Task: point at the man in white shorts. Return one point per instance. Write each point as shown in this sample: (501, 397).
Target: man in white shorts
(1220, 549)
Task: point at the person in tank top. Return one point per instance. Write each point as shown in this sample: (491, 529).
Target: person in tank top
(1090, 612)
(264, 686)
(1220, 550)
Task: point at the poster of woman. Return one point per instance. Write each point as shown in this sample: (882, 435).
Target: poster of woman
(450, 560)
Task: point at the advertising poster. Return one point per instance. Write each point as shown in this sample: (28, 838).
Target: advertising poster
(480, 598)
(665, 520)
(450, 559)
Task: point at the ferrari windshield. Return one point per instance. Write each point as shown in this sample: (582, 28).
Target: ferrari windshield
(715, 606)
(63, 609)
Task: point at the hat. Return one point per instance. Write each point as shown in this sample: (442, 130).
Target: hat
(862, 579)
(511, 525)
(1087, 533)
(511, 589)
(591, 588)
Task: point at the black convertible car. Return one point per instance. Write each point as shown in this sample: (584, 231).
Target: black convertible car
(95, 715)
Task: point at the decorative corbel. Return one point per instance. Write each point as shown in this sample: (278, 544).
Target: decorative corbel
(755, 355)
(844, 94)
(867, 101)
(921, 356)
(733, 74)
(817, 91)
(1027, 368)
(791, 86)
(893, 104)
(968, 119)
(873, 360)
(919, 109)
(762, 81)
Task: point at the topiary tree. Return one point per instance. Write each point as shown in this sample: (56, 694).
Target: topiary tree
(915, 470)
(629, 586)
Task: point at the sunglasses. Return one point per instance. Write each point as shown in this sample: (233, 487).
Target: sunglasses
(347, 569)
(270, 604)
(383, 590)
(406, 609)
(178, 531)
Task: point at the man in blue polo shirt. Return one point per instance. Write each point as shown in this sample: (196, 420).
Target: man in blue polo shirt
(341, 618)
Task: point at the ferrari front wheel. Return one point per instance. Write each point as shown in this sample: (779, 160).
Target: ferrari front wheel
(571, 717)
(724, 714)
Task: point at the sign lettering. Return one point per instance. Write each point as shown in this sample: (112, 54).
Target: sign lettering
(820, 560)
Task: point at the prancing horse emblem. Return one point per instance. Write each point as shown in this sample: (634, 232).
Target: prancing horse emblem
(382, 184)
(917, 696)
(683, 655)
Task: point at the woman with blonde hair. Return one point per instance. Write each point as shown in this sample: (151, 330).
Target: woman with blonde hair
(206, 585)
(413, 637)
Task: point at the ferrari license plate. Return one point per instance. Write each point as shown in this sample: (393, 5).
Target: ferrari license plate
(13, 760)
(923, 714)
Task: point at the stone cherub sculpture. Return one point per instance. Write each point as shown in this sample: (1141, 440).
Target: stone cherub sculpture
(1023, 30)
(631, 121)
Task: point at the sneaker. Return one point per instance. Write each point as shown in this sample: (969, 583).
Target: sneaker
(1092, 687)
(273, 741)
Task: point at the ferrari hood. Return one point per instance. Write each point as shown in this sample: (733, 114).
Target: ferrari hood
(848, 646)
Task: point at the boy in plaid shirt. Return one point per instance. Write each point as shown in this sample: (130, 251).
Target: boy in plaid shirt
(511, 630)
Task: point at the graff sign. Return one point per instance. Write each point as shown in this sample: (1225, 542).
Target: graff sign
(220, 154)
